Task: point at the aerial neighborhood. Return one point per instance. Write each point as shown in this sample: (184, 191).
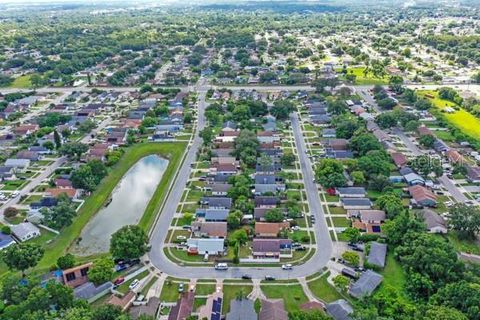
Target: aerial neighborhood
(240, 160)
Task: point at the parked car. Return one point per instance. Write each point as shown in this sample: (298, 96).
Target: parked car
(134, 284)
(119, 281)
(221, 266)
(180, 288)
(269, 278)
(246, 277)
(287, 266)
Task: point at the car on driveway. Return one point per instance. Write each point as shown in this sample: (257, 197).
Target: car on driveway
(134, 284)
(287, 266)
(180, 288)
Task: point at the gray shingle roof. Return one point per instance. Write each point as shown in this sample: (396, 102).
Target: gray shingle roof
(377, 254)
(366, 284)
(241, 310)
(340, 309)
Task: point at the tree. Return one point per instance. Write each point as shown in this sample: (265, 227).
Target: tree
(465, 220)
(36, 80)
(364, 143)
(442, 313)
(422, 104)
(427, 141)
(239, 237)
(49, 145)
(287, 159)
(281, 109)
(67, 261)
(61, 215)
(106, 312)
(462, 295)
(341, 282)
(329, 173)
(22, 256)
(234, 219)
(10, 212)
(412, 125)
(351, 258)
(379, 182)
(358, 177)
(346, 126)
(386, 120)
(395, 229)
(102, 271)
(57, 139)
(351, 234)
(73, 150)
(130, 242)
(207, 135)
(246, 146)
(336, 106)
(387, 103)
(274, 215)
(391, 203)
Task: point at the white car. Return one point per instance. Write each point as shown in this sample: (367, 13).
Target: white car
(221, 266)
(134, 284)
(287, 266)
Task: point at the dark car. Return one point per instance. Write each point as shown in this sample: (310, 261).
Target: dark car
(246, 277)
(119, 281)
(269, 278)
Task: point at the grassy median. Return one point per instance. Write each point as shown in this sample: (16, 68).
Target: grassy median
(171, 151)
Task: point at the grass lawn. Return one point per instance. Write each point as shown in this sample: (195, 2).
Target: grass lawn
(149, 285)
(230, 292)
(172, 151)
(341, 222)
(21, 82)
(32, 198)
(199, 302)
(182, 255)
(169, 292)
(13, 185)
(204, 289)
(123, 288)
(466, 122)
(365, 80)
(393, 277)
(337, 210)
(292, 295)
(324, 290)
(461, 245)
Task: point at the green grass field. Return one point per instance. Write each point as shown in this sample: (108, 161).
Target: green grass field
(323, 290)
(21, 82)
(466, 122)
(292, 295)
(172, 151)
(369, 79)
(393, 277)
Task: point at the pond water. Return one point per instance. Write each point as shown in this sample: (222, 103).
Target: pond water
(128, 203)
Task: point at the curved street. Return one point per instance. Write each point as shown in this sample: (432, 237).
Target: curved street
(324, 245)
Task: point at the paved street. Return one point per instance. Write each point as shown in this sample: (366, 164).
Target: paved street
(408, 143)
(452, 189)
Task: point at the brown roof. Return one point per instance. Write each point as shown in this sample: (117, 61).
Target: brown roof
(424, 131)
(273, 310)
(213, 229)
(270, 227)
(454, 156)
(420, 193)
(312, 305)
(184, 307)
(55, 192)
(399, 158)
(122, 302)
(63, 183)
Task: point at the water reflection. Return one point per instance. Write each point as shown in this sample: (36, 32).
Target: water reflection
(128, 203)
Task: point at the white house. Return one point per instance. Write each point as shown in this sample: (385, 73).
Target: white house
(206, 246)
(25, 231)
(18, 164)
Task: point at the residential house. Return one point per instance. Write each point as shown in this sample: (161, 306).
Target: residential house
(272, 309)
(7, 173)
(356, 203)
(241, 309)
(422, 196)
(454, 156)
(271, 248)
(25, 231)
(266, 201)
(183, 308)
(25, 129)
(217, 202)
(424, 131)
(399, 159)
(414, 179)
(212, 214)
(20, 165)
(209, 229)
(339, 310)
(6, 241)
(149, 309)
(212, 310)
(88, 290)
(366, 284)
(351, 192)
(218, 189)
(377, 254)
(270, 229)
(329, 133)
(259, 212)
(122, 302)
(473, 174)
(76, 276)
(213, 246)
(435, 223)
(72, 193)
(369, 221)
